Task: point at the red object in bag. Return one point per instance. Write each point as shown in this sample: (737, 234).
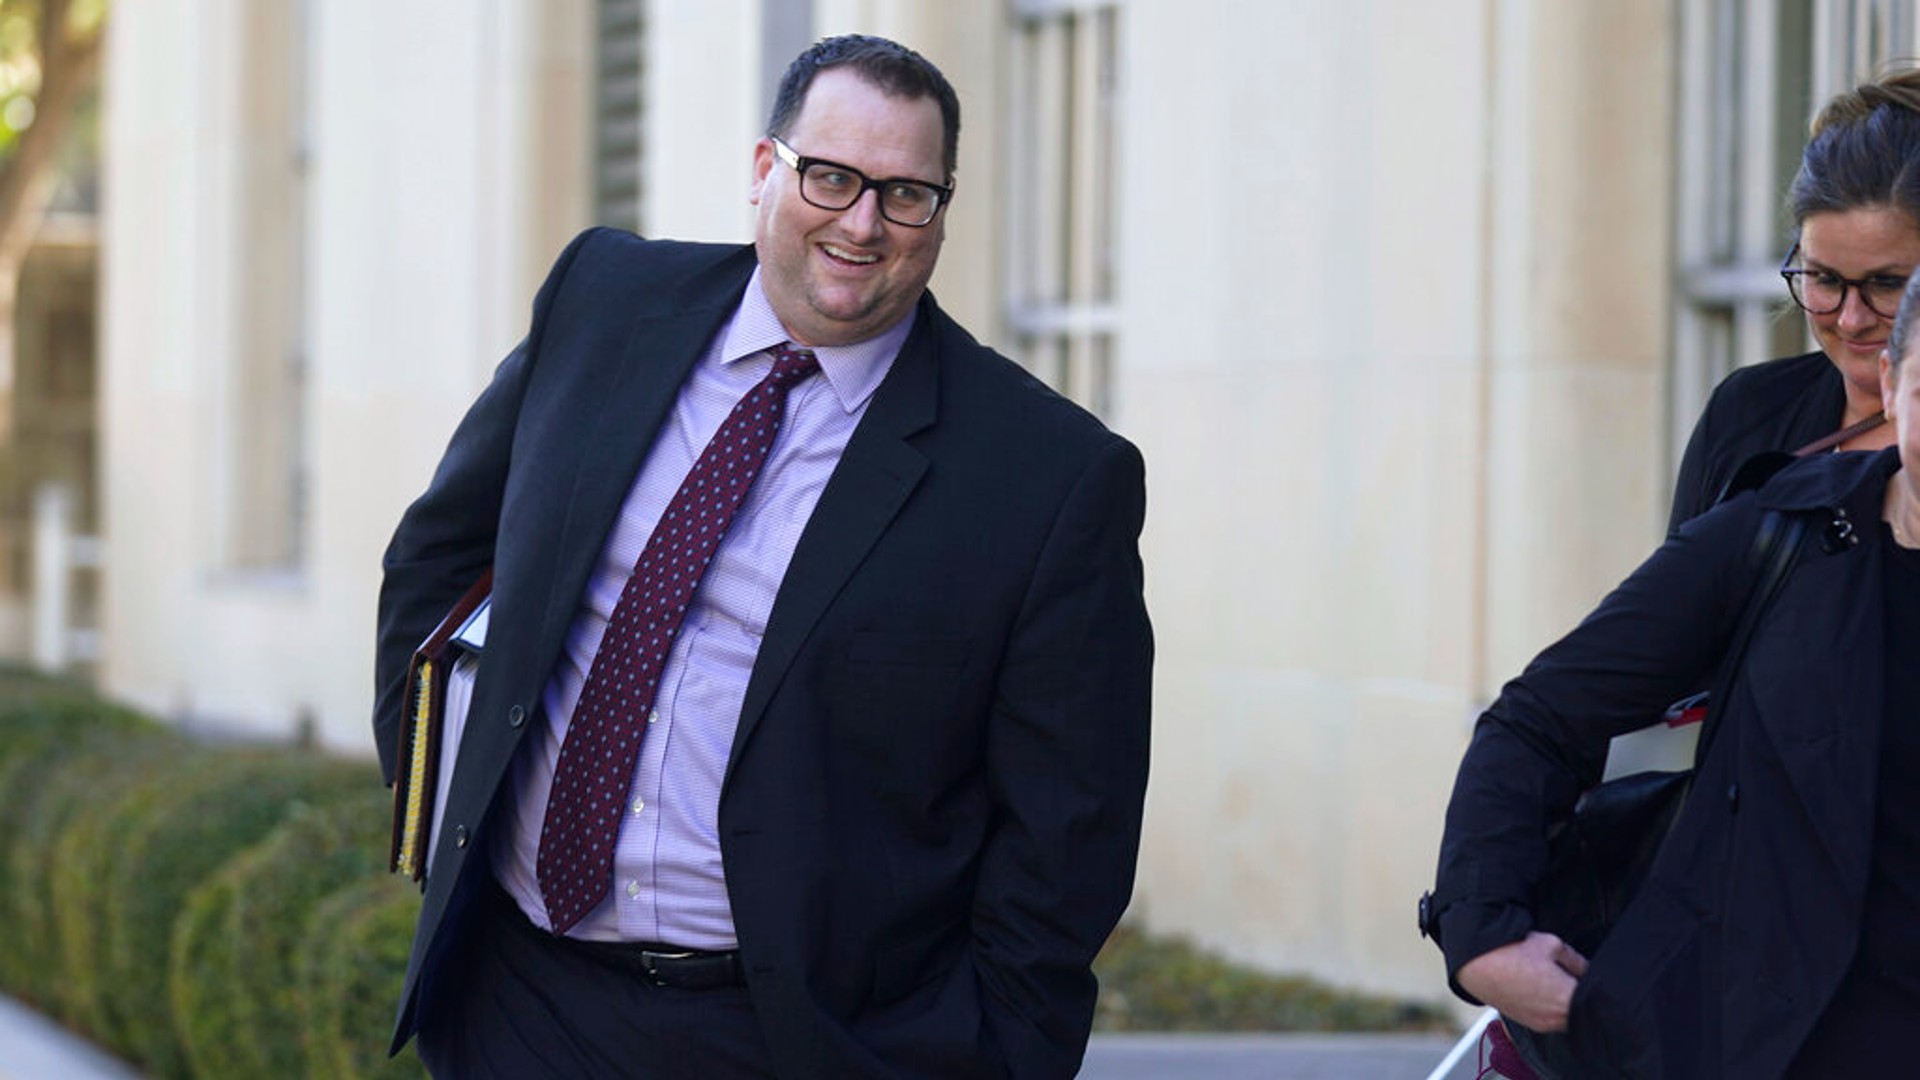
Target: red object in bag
(1688, 710)
(1498, 1057)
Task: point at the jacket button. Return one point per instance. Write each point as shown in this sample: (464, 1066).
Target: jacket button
(1733, 797)
(516, 716)
(460, 836)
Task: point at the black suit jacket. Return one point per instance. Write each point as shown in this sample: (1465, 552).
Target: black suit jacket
(931, 814)
(1724, 961)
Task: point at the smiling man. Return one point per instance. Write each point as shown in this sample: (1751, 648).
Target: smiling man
(809, 738)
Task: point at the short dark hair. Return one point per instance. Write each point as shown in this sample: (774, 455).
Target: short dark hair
(887, 65)
(1901, 339)
(1864, 151)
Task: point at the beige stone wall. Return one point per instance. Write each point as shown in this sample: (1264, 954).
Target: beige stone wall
(442, 181)
(1393, 346)
(1304, 363)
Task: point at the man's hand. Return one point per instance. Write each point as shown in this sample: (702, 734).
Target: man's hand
(1530, 981)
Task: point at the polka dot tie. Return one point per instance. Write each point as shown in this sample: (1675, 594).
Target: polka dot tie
(590, 781)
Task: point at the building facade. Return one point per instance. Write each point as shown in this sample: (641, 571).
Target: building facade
(1404, 303)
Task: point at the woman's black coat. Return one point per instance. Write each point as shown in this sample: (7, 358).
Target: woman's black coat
(1749, 919)
(1779, 405)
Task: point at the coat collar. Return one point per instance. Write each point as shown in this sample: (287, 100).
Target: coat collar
(1828, 481)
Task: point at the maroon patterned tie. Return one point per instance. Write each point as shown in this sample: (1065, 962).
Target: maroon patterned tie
(590, 781)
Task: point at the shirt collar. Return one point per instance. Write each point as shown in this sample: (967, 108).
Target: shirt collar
(853, 371)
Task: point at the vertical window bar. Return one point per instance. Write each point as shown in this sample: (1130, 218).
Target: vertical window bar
(1084, 253)
(1062, 268)
(1052, 40)
(1022, 128)
(618, 108)
(1106, 176)
(299, 463)
(1756, 186)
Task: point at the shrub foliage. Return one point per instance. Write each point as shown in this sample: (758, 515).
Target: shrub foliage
(179, 904)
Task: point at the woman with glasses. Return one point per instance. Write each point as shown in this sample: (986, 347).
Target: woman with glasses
(1856, 207)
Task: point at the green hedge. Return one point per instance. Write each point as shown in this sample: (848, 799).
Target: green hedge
(350, 967)
(83, 806)
(182, 905)
(56, 784)
(178, 836)
(1153, 983)
(233, 988)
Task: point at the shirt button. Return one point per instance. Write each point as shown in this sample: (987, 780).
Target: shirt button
(639, 805)
(633, 890)
(652, 716)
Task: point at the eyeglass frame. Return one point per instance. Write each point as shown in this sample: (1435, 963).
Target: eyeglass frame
(1788, 272)
(800, 163)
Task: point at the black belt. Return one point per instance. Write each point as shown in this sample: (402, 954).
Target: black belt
(664, 965)
(661, 965)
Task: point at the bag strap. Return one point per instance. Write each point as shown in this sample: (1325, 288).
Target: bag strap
(1833, 439)
(1758, 468)
(1776, 542)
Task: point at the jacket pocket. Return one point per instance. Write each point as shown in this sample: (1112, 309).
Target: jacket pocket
(1640, 1010)
(899, 970)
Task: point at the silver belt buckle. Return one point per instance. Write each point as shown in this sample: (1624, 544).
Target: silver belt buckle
(648, 957)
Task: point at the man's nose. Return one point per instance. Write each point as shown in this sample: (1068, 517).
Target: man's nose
(863, 219)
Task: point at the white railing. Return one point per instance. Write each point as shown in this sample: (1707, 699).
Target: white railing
(60, 555)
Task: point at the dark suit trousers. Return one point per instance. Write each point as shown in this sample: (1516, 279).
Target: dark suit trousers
(516, 1006)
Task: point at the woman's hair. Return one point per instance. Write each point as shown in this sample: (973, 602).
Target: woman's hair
(1902, 337)
(1864, 151)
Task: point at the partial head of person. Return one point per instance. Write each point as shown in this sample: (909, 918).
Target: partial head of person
(851, 185)
(1856, 206)
(1899, 385)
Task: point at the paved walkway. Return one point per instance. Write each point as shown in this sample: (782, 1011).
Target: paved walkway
(34, 1048)
(1269, 1057)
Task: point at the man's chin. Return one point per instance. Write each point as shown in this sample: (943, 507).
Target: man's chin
(843, 322)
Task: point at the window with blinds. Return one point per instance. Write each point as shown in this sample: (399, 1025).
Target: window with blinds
(266, 462)
(619, 67)
(1063, 173)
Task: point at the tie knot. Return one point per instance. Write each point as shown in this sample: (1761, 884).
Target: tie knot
(790, 364)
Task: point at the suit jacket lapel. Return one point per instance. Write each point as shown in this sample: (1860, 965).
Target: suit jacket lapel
(878, 471)
(640, 392)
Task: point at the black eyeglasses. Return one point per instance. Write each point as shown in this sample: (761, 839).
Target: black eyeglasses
(1822, 292)
(830, 185)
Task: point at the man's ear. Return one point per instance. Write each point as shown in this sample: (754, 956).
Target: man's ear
(762, 165)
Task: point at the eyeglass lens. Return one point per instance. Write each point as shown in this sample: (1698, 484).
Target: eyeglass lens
(834, 187)
(1822, 292)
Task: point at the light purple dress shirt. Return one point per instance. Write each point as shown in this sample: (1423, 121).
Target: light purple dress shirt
(668, 882)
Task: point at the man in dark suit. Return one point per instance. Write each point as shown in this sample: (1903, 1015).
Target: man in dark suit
(853, 790)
